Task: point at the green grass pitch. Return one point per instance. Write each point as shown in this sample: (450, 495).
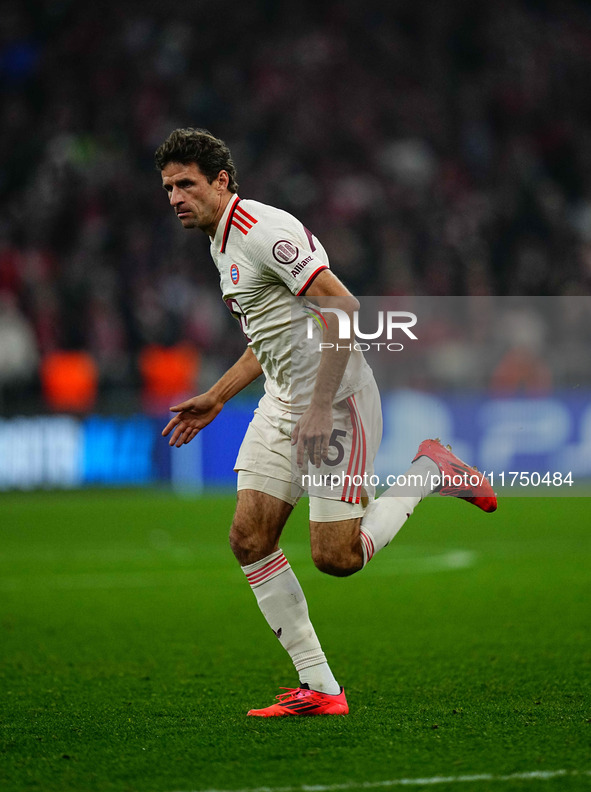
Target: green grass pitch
(131, 648)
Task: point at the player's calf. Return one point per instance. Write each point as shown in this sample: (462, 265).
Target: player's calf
(337, 567)
(336, 547)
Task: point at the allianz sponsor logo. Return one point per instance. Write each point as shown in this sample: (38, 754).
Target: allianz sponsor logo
(300, 266)
(388, 324)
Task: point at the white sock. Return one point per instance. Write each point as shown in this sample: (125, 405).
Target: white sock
(386, 515)
(283, 604)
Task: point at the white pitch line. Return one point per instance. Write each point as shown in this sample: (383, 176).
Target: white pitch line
(535, 775)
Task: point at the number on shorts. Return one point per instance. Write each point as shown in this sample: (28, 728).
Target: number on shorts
(334, 443)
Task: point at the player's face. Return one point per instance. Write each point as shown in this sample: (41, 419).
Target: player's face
(197, 203)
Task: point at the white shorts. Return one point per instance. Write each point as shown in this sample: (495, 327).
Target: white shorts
(341, 487)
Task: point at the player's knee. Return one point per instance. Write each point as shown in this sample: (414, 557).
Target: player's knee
(336, 564)
(247, 545)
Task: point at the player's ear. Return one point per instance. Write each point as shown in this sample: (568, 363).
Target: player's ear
(223, 180)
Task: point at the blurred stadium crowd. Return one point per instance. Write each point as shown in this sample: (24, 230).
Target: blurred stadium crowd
(435, 148)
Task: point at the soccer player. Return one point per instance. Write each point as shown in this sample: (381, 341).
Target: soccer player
(319, 413)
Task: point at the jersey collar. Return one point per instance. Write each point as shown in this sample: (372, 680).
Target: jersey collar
(220, 239)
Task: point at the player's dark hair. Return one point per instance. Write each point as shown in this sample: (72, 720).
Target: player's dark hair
(199, 146)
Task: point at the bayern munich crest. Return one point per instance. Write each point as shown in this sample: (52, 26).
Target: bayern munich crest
(234, 274)
(285, 252)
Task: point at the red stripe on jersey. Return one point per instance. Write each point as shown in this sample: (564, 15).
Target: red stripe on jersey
(242, 211)
(242, 221)
(228, 224)
(310, 279)
(239, 227)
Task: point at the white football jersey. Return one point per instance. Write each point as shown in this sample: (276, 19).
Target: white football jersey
(267, 259)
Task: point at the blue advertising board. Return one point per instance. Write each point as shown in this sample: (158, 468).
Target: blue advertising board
(543, 434)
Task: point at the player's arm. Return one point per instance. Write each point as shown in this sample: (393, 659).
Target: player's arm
(195, 414)
(313, 430)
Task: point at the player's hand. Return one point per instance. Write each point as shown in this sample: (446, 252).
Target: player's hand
(311, 434)
(192, 416)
